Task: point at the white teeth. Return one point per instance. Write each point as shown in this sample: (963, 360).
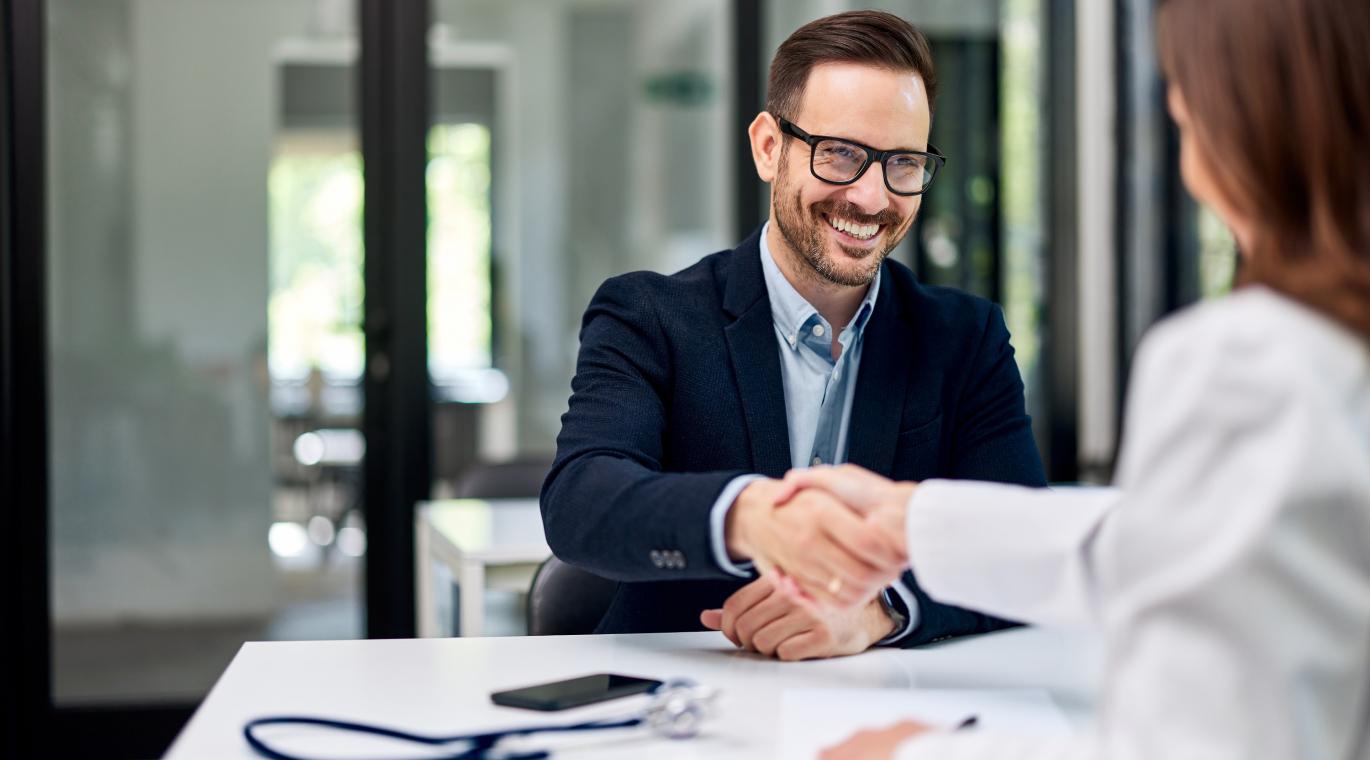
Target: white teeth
(858, 231)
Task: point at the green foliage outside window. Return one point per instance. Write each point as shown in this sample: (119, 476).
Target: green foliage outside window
(1217, 255)
(1023, 188)
(458, 248)
(315, 308)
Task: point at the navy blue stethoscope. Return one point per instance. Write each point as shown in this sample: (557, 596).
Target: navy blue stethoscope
(677, 711)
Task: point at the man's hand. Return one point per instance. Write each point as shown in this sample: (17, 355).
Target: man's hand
(853, 485)
(763, 618)
(875, 743)
(835, 555)
(884, 502)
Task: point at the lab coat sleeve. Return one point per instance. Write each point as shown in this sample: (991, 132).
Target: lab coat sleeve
(1010, 551)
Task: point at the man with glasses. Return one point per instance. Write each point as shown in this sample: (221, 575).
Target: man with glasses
(695, 392)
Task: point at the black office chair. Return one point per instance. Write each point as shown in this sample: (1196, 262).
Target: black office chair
(517, 479)
(565, 600)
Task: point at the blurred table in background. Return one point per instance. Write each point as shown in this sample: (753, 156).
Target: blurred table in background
(474, 538)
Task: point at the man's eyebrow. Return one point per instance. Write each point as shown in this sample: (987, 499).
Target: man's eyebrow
(872, 147)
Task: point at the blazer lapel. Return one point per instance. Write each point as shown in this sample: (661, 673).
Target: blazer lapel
(756, 360)
(881, 384)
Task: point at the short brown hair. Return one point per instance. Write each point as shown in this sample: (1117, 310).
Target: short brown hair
(1279, 96)
(874, 38)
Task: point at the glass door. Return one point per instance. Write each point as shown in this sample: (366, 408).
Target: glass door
(203, 323)
(568, 142)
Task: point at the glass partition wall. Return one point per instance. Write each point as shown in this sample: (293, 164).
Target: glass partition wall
(204, 292)
(611, 150)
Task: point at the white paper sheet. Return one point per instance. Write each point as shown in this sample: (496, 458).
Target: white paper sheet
(813, 719)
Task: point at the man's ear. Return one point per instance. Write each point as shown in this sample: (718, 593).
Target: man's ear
(766, 142)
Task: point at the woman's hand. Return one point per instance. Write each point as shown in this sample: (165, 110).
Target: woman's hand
(875, 743)
(860, 489)
(884, 502)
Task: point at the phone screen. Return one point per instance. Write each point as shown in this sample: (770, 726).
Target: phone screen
(573, 692)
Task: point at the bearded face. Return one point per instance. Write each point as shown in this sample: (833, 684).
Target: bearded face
(834, 238)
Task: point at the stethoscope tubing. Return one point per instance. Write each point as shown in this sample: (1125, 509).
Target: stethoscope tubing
(481, 744)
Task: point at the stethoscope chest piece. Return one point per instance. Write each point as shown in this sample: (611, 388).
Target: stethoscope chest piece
(679, 708)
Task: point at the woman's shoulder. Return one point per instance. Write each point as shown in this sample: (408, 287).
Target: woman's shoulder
(1250, 383)
(1262, 336)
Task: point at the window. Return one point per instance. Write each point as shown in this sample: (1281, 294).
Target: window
(315, 190)
(459, 304)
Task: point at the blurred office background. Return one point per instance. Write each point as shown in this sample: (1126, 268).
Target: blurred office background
(256, 356)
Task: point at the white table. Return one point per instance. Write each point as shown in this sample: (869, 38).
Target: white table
(442, 686)
(468, 536)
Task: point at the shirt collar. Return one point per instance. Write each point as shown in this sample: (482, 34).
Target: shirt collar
(789, 309)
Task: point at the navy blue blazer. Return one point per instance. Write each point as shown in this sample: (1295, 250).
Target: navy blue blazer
(678, 390)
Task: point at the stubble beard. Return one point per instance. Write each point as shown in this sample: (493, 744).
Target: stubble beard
(805, 234)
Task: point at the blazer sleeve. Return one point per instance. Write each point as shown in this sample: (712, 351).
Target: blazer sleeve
(992, 433)
(992, 441)
(607, 506)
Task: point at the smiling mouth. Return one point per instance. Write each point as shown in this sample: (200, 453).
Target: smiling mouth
(855, 230)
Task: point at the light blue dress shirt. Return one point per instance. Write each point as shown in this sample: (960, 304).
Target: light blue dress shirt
(818, 399)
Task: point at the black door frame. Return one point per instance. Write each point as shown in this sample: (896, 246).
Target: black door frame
(397, 412)
(23, 382)
(1060, 351)
(749, 96)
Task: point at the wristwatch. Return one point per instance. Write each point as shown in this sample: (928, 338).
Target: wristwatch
(900, 618)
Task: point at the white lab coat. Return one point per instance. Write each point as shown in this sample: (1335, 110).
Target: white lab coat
(1229, 572)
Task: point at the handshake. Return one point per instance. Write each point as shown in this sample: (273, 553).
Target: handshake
(826, 540)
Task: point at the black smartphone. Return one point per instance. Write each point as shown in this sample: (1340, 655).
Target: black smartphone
(574, 692)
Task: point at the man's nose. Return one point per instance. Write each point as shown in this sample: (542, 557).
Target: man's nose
(869, 192)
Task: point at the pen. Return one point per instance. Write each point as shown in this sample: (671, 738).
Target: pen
(968, 722)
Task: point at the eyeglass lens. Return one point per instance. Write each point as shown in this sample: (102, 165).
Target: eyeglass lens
(838, 161)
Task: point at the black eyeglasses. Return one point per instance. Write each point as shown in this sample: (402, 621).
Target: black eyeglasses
(838, 161)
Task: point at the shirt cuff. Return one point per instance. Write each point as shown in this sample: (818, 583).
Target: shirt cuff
(718, 519)
(898, 589)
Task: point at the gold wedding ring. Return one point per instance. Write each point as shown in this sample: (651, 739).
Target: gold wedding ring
(835, 586)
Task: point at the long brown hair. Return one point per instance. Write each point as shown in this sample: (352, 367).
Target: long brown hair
(1279, 95)
(875, 38)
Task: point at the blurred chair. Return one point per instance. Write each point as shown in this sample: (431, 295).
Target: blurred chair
(456, 436)
(331, 459)
(515, 479)
(565, 600)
